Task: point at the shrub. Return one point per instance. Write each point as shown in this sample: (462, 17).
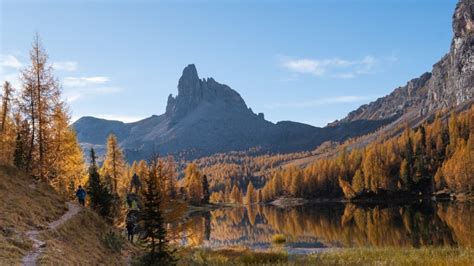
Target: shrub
(278, 239)
(113, 241)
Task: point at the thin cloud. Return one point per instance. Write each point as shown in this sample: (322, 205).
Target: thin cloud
(68, 66)
(77, 93)
(9, 70)
(76, 88)
(320, 102)
(9, 61)
(84, 81)
(13, 78)
(332, 67)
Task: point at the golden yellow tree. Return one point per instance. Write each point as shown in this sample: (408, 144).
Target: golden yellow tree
(6, 102)
(459, 169)
(236, 195)
(132, 170)
(296, 186)
(39, 96)
(171, 183)
(193, 184)
(66, 163)
(114, 168)
(7, 129)
(142, 169)
(250, 197)
(358, 181)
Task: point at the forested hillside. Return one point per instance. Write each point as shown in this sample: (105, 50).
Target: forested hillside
(435, 156)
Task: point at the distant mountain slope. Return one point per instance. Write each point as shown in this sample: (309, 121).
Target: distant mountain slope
(98, 129)
(450, 83)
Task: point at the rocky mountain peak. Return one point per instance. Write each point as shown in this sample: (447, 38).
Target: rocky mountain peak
(463, 18)
(189, 80)
(193, 91)
(453, 76)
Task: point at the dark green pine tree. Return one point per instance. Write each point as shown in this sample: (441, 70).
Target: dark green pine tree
(100, 196)
(20, 156)
(205, 190)
(420, 166)
(154, 230)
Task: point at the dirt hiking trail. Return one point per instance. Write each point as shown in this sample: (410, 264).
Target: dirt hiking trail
(38, 245)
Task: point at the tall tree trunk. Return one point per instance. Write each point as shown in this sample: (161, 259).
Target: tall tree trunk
(114, 163)
(5, 103)
(40, 114)
(33, 131)
(152, 248)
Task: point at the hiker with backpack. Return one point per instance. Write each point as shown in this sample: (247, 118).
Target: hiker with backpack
(131, 224)
(135, 183)
(81, 195)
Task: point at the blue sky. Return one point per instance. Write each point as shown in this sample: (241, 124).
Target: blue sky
(306, 61)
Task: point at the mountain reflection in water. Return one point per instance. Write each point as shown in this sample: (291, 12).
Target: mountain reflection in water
(335, 225)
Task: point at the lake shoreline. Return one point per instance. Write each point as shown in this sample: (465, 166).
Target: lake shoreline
(288, 202)
(346, 256)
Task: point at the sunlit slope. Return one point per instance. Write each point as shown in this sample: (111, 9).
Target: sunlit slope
(27, 205)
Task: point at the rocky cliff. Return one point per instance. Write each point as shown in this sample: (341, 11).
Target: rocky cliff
(451, 82)
(193, 91)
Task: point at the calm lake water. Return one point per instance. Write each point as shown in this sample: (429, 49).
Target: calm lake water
(317, 227)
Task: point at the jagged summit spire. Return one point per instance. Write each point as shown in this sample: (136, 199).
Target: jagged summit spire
(192, 91)
(190, 71)
(189, 81)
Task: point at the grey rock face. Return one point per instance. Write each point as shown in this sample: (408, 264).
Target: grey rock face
(193, 91)
(453, 76)
(450, 83)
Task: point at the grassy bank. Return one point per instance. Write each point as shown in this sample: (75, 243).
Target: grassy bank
(355, 256)
(25, 205)
(393, 256)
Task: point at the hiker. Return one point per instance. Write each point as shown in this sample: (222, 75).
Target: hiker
(130, 231)
(131, 225)
(135, 183)
(81, 195)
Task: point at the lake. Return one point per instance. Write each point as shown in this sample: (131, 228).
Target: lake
(318, 227)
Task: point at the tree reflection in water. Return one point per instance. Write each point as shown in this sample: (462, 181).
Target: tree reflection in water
(335, 225)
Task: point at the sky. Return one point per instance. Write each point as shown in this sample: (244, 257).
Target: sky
(305, 61)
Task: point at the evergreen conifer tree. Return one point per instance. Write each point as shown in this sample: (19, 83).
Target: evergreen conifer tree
(205, 189)
(99, 194)
(155, 232)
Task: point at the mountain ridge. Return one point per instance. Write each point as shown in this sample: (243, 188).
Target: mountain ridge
(207, 117)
